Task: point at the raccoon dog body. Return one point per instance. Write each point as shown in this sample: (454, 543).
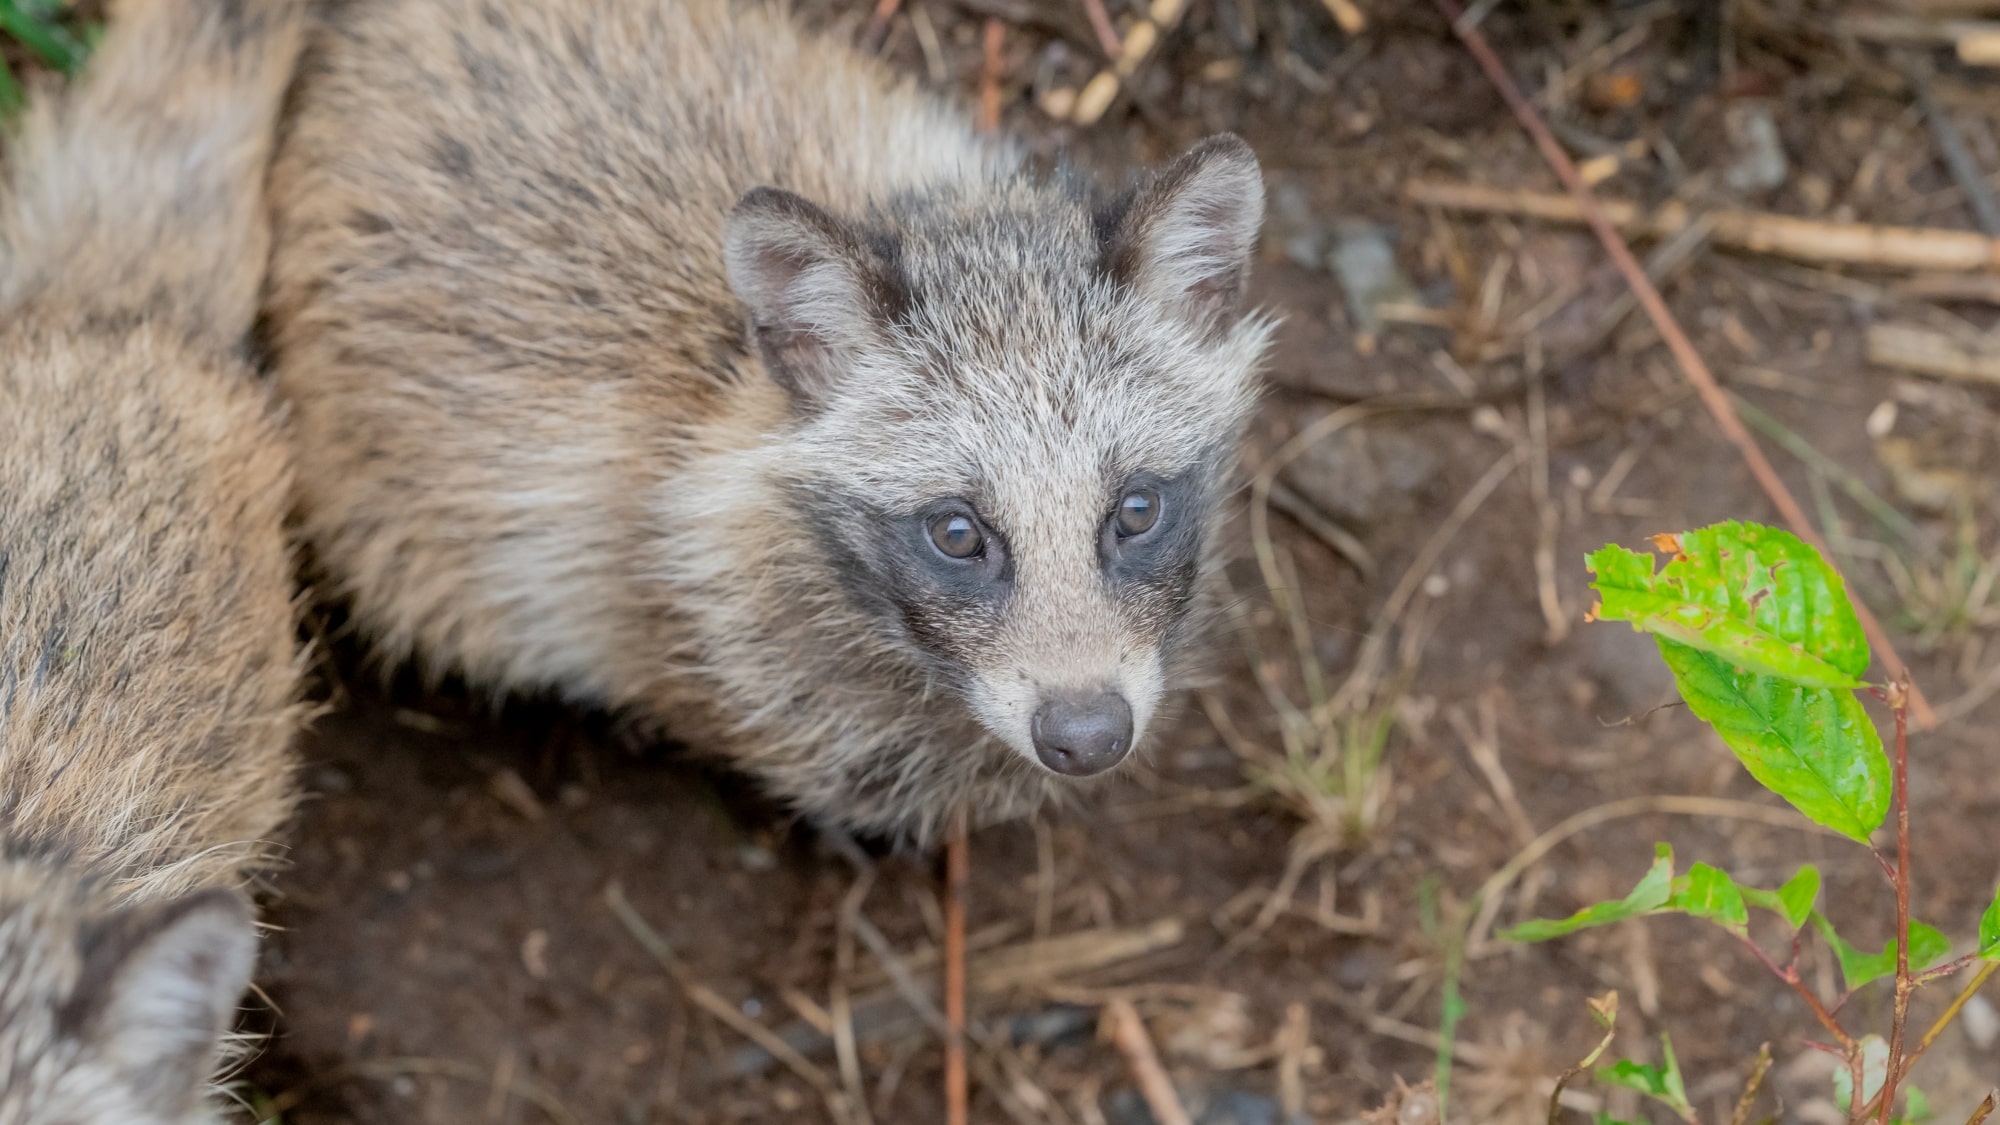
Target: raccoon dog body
(149, 673)
(657, 354)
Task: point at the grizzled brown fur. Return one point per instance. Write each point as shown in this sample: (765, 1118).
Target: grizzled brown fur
(636, 349)
(149, 668)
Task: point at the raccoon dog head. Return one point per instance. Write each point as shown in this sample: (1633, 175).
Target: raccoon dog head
(113, 1013)
(1012, 413)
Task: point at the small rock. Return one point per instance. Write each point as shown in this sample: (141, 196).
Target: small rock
(1364, 259)
(1760, 164)
(1982, 1022)
(1365, 476)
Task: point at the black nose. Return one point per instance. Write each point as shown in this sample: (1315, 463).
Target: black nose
(1080, 737)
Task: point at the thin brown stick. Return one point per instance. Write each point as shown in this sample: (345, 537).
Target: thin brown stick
(957, 878)
(1957, 1005)
(989, 76)
(1129, 1033)
(1985, 1109)
(1100, 25)
(1905, 986)
(878, 25)
(1949, 252)
(1691, 363)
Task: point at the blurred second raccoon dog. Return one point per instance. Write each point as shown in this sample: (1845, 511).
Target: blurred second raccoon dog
(149, 668)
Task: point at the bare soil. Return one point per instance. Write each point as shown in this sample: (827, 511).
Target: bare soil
(445, 951)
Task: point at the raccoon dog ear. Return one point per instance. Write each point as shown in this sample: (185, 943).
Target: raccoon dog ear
(161, 986)
(817, 292)
(1185, 237)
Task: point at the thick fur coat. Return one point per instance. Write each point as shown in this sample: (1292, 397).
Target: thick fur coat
(149, 667)
(640, 350)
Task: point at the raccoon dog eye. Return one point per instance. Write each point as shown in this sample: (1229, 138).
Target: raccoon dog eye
(956, 536)
(1138, 512)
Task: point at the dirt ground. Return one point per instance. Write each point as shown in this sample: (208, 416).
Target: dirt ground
(447, 947)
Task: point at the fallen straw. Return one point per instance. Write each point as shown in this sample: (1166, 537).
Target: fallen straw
(1122, 1021)
(1691, 363)
(1786, 236)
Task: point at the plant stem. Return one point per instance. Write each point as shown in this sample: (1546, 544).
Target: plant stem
(1905, 983)
(1958, 1003)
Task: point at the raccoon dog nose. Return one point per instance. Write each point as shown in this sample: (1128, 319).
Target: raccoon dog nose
(1081, 737)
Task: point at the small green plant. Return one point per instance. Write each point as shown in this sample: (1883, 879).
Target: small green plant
(43, 27)
(1765, 647)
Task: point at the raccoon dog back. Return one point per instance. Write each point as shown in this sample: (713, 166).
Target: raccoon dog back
(149, 669)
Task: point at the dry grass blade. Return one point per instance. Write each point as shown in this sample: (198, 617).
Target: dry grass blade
(1605, 1010)
(1690, 361)
(709, 1001)
(1129, 1033)
(989, 76)
(1930, 352)
(1763, 232)
(1748, 1102)
(839, 1004)
(1374, 648)
(452, 1069)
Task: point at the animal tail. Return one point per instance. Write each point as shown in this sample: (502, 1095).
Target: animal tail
(138, 191)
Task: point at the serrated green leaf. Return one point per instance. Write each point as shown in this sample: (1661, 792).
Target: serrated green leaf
(1662, 1083)
(1650, 894)
(1793, 901)
(1756, 597)
(1927, 948)
(1989, 931)
(1708, 892)
(1815, 747)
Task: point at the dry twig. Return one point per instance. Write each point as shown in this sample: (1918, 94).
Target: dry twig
(1129, 1033)
(1786, 236)
(1932, 352)
(1690, 361)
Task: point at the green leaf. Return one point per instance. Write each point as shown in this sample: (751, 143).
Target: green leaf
(1650, 894)
(1708, 892)
(1927, 948)
(1663, 1083)
(1755, 597)
(10, 92)
(1813, 746)
(1604, 1118)
(40, 33)
(1916, 1107)
(1989, 931)
(1793, 901)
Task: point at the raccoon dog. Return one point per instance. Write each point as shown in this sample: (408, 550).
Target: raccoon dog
(657, 354)
(149, 671)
